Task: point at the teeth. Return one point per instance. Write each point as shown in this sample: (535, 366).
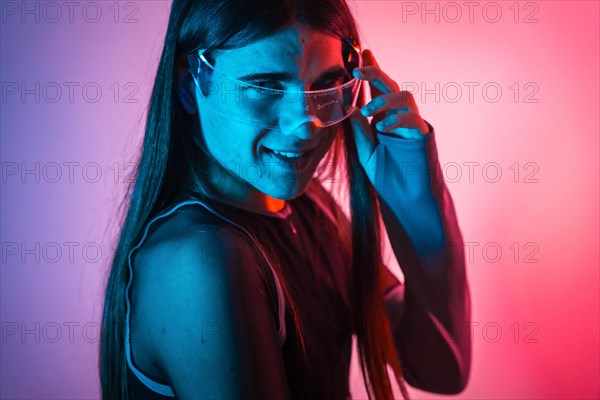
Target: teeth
(288, 154)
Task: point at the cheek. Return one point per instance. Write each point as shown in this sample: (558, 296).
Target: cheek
(228, 142)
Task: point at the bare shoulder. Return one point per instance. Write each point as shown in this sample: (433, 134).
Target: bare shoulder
(191, 257)
(189, 235)
(199, 285)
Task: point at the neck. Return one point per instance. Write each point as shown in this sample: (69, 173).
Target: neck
(234, 193)
(273, 204)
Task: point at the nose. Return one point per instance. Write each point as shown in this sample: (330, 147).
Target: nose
(295, 118)
(304, 129)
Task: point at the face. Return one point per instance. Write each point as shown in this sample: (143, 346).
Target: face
(247, 165)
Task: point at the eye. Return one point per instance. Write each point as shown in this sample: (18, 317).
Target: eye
(268, 85)
(331, 83)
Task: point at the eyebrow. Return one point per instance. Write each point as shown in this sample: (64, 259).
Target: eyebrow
(332, 72)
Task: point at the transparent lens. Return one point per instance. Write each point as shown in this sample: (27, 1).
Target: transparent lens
(276, 105)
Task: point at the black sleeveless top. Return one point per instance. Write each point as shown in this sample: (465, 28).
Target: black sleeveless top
(316, 270)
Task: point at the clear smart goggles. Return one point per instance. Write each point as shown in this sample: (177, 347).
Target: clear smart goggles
(279, 105)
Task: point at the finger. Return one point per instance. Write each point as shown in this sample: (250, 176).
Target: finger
(377, 87)
(379, 81)
(394, 102)
(408, 125)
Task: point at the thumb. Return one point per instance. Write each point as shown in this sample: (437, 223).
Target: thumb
(366, 143)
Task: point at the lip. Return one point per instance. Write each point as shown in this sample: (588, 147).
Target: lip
(301, 150)
(300, 163)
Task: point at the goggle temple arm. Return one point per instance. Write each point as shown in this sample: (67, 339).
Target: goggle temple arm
(199, 70)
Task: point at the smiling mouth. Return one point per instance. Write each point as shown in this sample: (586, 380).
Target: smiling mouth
(296, 160)
(288, 154)
(292, 153)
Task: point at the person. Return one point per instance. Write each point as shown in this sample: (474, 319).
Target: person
(238, 273)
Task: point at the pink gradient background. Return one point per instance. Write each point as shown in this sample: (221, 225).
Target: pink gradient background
(558, 214)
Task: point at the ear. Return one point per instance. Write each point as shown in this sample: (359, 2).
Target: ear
(184, 84)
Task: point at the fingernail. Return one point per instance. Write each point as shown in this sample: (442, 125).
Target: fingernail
(356, 73)
(365, 111)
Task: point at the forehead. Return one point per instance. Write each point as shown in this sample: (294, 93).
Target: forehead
(295, 49)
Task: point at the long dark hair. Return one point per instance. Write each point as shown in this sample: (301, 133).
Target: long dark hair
(171, 153)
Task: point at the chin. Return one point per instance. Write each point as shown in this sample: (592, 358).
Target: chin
(285, 192)
(290, 188)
